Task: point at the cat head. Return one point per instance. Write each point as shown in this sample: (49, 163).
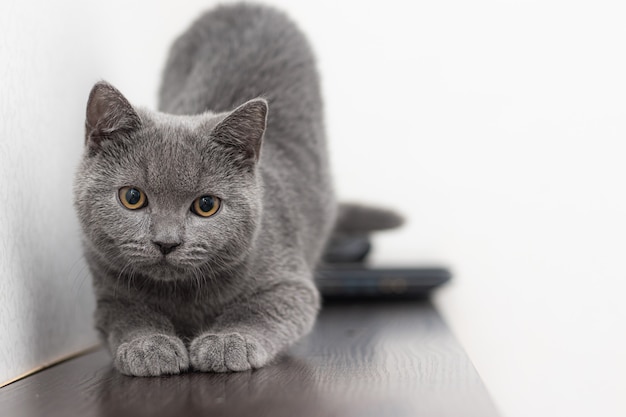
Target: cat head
(167, 196)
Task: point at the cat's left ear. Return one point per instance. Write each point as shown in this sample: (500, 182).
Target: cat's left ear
(244, 128)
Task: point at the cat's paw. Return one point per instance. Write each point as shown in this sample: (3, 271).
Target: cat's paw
(152, 355)
(226, 352)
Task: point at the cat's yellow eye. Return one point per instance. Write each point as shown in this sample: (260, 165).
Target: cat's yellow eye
(132, 198)
(205, 206)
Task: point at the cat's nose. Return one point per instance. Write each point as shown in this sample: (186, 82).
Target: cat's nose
(166, 247)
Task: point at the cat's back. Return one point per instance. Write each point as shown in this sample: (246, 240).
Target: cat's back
(237, 52)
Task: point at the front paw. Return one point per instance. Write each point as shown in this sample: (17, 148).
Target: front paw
(226, 352)
(152, 355)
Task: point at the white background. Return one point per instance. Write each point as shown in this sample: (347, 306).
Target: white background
(496, 127)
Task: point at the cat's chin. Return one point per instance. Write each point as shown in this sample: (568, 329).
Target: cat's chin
(164, 270)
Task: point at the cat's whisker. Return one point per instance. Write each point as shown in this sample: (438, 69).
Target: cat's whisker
(83, 274)
(78, 276)
(119, 275)
(196, 275)
(210, 274)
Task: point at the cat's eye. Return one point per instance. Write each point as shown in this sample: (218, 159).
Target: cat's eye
(132, 198)
(205, 206)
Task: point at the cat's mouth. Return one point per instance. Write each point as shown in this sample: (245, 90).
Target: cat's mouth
(165, 269)
(168, 263)
(163, 261)
(162, 268)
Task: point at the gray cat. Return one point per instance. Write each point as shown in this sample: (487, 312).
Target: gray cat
(203, 222)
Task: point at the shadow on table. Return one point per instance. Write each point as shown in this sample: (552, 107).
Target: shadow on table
(284, 389)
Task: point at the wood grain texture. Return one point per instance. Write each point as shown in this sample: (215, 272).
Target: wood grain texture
(362, 359)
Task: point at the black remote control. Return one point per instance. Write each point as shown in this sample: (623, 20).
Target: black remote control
(361, 281)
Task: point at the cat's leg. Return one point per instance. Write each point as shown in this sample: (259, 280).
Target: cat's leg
(142, 341)
(250, 333)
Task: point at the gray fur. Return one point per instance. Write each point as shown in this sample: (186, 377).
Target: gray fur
(238, 289)
(355, 218)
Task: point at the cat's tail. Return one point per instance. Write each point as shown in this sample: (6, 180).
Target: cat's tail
(356, 219)
(350, 240)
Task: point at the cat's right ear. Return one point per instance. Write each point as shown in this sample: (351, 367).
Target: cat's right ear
(243, 130)
(108, 114)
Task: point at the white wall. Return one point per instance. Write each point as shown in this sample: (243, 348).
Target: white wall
(45, 303)
(51, 53)
(496, 126)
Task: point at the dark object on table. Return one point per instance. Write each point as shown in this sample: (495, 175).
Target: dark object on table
(360, 281)
(347, 248)
(345, 274)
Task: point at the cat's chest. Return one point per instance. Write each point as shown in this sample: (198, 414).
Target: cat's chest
(190, 316)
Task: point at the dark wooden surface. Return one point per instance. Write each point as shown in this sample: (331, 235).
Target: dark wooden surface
(373, 359)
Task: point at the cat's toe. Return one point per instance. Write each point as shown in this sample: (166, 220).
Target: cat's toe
(229, 352)
(152, 355)
(235, 353)
(257, 355)
(206, 353)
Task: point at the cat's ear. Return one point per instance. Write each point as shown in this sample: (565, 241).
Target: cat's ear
(108, 114)
(243, 129)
